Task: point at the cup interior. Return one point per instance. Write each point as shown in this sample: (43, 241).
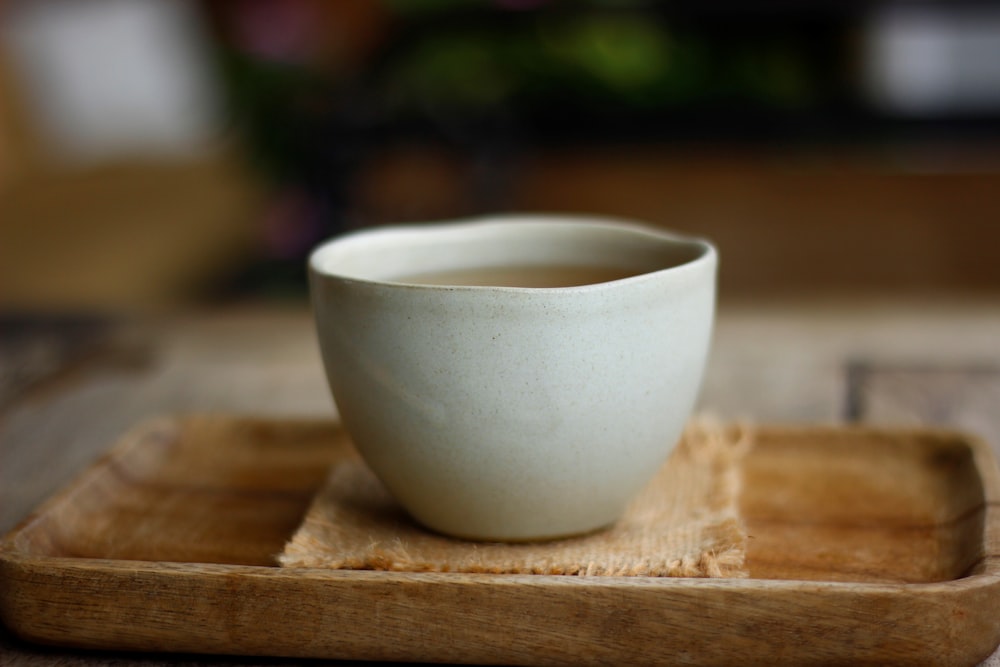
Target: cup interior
(541, 251)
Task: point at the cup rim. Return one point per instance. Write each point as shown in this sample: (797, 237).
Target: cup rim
(420, 233)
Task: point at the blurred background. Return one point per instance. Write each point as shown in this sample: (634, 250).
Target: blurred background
(159, 154)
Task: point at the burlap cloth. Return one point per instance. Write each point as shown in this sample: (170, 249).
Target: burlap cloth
(684, 524)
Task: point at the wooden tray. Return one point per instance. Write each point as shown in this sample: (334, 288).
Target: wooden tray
(867, 547)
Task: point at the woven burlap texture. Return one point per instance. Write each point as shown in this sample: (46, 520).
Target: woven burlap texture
(685, 523)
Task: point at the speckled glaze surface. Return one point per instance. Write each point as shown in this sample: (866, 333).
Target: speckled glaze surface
(512, 413)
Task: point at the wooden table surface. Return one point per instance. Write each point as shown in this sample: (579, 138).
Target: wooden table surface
(69, 388)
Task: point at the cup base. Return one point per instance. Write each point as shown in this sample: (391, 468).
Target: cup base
(531, 539)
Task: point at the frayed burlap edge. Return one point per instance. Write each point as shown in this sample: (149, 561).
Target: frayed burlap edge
(697, 533)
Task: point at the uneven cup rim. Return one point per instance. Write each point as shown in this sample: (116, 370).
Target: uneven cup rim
(419, 235)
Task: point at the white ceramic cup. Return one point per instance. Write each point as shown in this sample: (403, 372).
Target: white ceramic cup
(514, 413)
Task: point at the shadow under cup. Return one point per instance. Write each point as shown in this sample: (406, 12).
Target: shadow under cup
(518, 377)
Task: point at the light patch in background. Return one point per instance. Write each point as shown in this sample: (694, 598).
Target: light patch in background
(114, 78)
(932, 61)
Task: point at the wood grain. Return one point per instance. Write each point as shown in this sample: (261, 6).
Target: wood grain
(869, 547)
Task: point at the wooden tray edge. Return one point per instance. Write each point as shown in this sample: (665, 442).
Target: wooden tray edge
(255, 610)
